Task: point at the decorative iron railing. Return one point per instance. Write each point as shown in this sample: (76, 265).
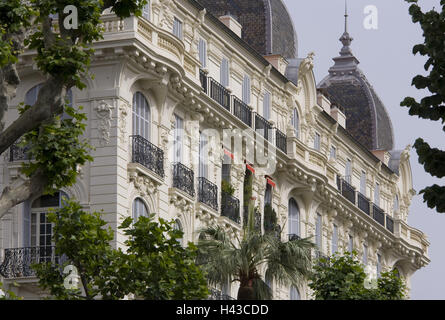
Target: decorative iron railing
(293, 237)
(390, 224)
(219, 94)
(230, 207)
(203, 78)
(378, 214)
(18, 262)
(363, 203)
(208, 193)
(216, 294)
(147, 154)
(346, 190)
(19, 153)
(281, 140)
(262, 126)
(242, 111)
(183, 179)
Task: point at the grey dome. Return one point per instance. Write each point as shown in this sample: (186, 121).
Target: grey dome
(367, 119)
(267, 25)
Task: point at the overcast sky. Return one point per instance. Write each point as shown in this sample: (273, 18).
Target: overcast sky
(386, 58)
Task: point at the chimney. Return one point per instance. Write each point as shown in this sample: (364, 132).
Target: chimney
(278, 62)
(383, 155)
(232, 24)
(323, 102)
(338, 115)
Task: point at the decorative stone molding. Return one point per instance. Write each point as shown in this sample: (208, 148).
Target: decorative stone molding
(123, 112)
(144, 184)
(104, 113)
(183, 203)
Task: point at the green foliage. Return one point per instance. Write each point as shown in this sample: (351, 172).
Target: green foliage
(270, 219)
(8, 295)
(431, 107)
(155, 265)
(342, 277)
(57, 149)
(227, 187)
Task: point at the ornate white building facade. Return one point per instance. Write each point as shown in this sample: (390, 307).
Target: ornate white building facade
(167, 86)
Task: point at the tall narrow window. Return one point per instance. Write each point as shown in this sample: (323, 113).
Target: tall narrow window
(296, 122)
(141, 116)
(178, 143)
(146, 11)
(177, 28)
(377, 194)
(363, 183)
(379, 265)
(317, 141)
(246, 89)
(350, 243)
(333, 154)
(294, 294)
(335, 239)
(178, 226)
(396, 203)
(348, 171)
(224, 72)
(203, 166)
(269, 280)
(202, 49)
(294, 218)
(268, 194)
(365, 254)
(318, 231)
(139, 209)
(266, 105)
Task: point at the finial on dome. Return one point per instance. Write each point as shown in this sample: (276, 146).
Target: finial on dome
(346, 39)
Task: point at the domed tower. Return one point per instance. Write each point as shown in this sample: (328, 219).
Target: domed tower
(266, 24)
(367, 119)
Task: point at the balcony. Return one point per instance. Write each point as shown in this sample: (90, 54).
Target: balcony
(390, 224)
(203, 79)
(281, 140)
(18, 262)
(19, 153)
(230, 207)
(219, 94)
(378, 214)
(184, 179)
(363, 203)
(148, 155)
(262, 126)
(242, 111)
(346, 189)
(208, 193)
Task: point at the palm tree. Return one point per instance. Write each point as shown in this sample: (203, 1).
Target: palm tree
(225, 259)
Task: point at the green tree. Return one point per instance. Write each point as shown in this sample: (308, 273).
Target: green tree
(342, 277)
(63, 57)
(155, 266)
(431, 107)
(226, 259)
(8, 295)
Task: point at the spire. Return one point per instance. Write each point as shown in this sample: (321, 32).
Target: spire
(346, 39)
(346, 16)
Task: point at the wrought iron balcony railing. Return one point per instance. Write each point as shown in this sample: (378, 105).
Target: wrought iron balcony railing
(216, 294)
(262, 126)
(208, 193)
(219, 94)
(230, 207)
(18, 153)
(281, 140)
(378, 214)
(363, 203)
(390, 224)
(203, 78)
(242, 111)
(18, 262)
(184, 179)
(346, 189)
(147, 154)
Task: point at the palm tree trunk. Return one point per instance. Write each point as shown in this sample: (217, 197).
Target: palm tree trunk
(246, 291)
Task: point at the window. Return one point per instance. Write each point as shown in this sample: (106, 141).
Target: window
(333, 155)
(350, 243)
(296, 122)
(269, 280)
(146, 11)
(396, 203)
(33, 93)
(377, 194)
(335, 239)
(294, 294)
(365, 254)
(348, 171)
(141, 116)
(266, 105)
(177, 28)
(203, 165)
(379, 265)
(318, 231)
(179, 131)
(268, 195)
(202, 49)
(294, 218)
(139, 209)
(363, 183)
(246, 89)
(224, 72)
(178, 226)
(317, 140)
(226, 167)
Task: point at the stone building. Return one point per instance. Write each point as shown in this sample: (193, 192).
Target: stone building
(171, 85)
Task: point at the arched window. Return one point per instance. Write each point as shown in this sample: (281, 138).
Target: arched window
(294, 293)
(296, 122)
(178, 226)
(139, 209)
(33, 93)
(294, 218)
(141, 116)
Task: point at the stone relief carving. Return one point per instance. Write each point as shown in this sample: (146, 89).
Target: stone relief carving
(104, 113)
(142, 183)
(123, 112)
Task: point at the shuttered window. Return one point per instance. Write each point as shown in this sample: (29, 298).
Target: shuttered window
(141, 116)
(348, 171)
(177, 28)
(365, 254)
(363, 183)
(317, 141)
(335, 239)
(266, 105)
(294, 218)
(246, 89)
(351, 243)
(379, 265)
(318, 231)
(203, 165)
(179, 131)
(296, 122)
(224, 72)
(202, 50)
(146, 11)
(377, 194)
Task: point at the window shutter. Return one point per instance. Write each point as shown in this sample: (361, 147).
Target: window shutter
(294, 218)
(224, 73)
(246, 89)
(317, 141)
(179, 130)
(348, 171)
(27, 223)
(318, 232)
(177, 28)
(335, 239)
(363, 183)
(146, 11)
(266, 106)
(296, 122)
(202, 155)
(377, 194)
(202, 49)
